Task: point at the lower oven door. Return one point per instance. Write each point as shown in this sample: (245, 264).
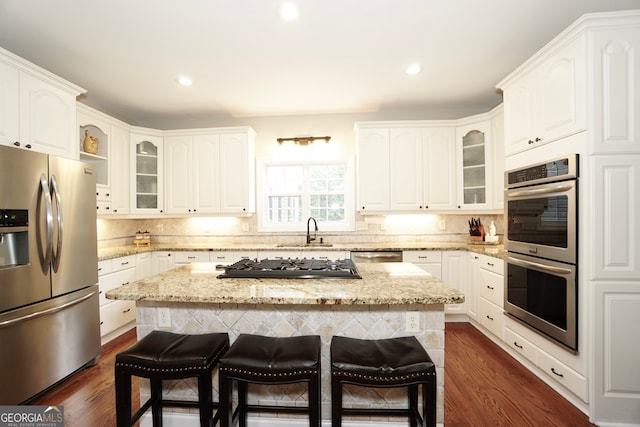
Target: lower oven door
(542, 294)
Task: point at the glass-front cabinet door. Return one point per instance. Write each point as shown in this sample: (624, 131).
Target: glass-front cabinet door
(147, 188)
(473, 174)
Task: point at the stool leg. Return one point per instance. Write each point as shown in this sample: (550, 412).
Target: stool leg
(123, 398)
(156, 401)
(314, 400)
(242, 403)
(205, 398)
(412, 392)
(336, 402)
(429, 391)
(225, 396)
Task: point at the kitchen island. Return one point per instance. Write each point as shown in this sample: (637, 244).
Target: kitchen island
(373, 307)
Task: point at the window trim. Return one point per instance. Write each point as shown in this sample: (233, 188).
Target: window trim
(262, 206)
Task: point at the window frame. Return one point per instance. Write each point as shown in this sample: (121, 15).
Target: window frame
(262, 205)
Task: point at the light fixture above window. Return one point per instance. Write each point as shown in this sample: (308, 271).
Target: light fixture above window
(304, 140)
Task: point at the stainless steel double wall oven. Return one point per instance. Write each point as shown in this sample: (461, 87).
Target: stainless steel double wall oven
(541, 286)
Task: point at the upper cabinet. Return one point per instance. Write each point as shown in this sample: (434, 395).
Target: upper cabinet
(372, 168)
(422, 166)
(37, 108)
(147, 163)
(474, 169)
(104, 142)
(210, 171)
(545, 100)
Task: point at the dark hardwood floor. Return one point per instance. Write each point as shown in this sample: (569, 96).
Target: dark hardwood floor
(484, 386)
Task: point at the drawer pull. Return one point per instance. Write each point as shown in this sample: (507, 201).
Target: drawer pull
(422, 257)
(126, 311)
(125, 283)
(518, 345)
(490, 287)
(557, 373)
(490, 264)
(191, 257)
(124, 263)
(489, 317)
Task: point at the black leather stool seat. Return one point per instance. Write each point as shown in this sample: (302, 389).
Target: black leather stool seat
(269, 360)
(392, 362)
(165, 355)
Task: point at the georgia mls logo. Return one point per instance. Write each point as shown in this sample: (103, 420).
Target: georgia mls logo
(31, 416)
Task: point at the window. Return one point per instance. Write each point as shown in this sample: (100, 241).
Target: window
(292, 192)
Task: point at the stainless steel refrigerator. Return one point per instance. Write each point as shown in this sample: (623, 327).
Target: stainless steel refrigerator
(49, 315)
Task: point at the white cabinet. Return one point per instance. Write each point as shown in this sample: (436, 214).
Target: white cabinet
(210, 173)
(454, 273)
(144, 268)
(490, 294)
(405, 167)
(473, 273)
(162, 261)
(147, 158)
(429, 261)
(37, 108)
(9, 104)
(47, 117)
(545, 101)
(372, 169)
(475, 176)
(421, 163)
(119, 169)
(497, 147)
(111, 161)
(237, 172)
(116, 316)
(187, 257)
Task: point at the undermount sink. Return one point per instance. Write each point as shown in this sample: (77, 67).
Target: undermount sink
(304, 245)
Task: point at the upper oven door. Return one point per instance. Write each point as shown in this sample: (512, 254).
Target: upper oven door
(542, 220)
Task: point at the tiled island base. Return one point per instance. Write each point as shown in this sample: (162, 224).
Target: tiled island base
(359, 321)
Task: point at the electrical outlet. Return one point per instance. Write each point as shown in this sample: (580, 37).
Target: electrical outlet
(164, 317)
(413, 322)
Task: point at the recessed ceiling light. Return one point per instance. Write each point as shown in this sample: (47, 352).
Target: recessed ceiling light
(413, 69)
(184, 81)
(289, 12)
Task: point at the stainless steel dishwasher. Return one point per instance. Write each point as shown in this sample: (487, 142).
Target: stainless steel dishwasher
(361, 257)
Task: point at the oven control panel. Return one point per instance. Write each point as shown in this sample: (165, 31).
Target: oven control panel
(554, 170)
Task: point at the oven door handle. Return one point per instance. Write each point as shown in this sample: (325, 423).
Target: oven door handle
(539, 266)
(537, 191)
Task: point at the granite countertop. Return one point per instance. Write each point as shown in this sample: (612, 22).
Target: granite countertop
(496, 251)
(383, 283)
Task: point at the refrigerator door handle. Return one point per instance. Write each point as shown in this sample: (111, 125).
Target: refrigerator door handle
(44, 188)
(58, 251)
(47, 311)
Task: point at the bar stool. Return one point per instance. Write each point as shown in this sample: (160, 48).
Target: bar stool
(165, 355)
(269, 360)
(393, 362)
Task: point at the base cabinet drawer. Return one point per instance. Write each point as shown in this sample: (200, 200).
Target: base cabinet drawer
(491, 317)
(115, 315)
(521, 345)
(113, 280)
(562, 374)
(188, 257)
(491, 287)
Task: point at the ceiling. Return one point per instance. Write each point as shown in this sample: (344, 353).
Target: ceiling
(339, 57)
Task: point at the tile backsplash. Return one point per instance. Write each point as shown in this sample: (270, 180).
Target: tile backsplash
(243, 230)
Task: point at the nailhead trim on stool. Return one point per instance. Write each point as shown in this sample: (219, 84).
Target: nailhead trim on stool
(163, 355)
(269, 360)
(392, 362)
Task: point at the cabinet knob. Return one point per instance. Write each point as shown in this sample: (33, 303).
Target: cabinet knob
(538, 139)
(17, 143)
(28, 146)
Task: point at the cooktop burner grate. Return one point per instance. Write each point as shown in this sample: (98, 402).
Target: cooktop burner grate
(292, 268)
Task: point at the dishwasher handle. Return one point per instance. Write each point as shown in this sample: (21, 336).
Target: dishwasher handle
(375, 256)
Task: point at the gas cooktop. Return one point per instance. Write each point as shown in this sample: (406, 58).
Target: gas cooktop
(292, 269)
